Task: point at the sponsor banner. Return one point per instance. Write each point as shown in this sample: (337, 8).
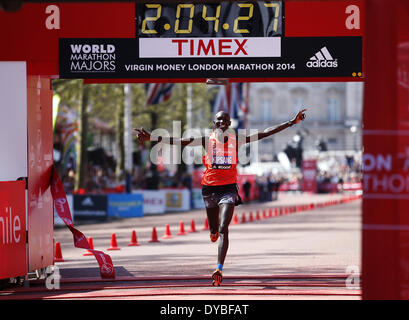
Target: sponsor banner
(289, 186)
(209, 47)
(177, 199)
(294, 57)
(40, 160)
(106, 267)
(309, 172)
(352, 186)
(13, 257)
(385, 175)
(57, 220)
(154, 201)
(198, 202)
(13, 143)
(90, 206)
(125, 205)
(385, 158)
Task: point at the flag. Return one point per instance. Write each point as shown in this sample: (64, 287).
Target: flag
(67, 123)
(158, 92)
(232, 99)
(238, 108)
(220, 102)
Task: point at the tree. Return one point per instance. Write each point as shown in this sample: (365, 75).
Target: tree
(90, 101)
(82, 155)
(175, 109)
(76, 94)
(106, 102)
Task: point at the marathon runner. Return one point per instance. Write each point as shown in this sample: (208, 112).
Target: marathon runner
(219, 182)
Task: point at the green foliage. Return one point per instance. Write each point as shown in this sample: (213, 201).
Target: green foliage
(70, 92)
(106, 103)
(106, 100)
(174, 109)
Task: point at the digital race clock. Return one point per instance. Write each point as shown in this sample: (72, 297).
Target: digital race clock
(223, 19)
(225, 39)
(196, 30)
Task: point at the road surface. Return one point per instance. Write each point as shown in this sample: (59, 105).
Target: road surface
(307, 254)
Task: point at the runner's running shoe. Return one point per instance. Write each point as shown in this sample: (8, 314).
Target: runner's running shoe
(214, 236)
(217, 278)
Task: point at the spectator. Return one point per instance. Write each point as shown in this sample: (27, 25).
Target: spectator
(246, 188)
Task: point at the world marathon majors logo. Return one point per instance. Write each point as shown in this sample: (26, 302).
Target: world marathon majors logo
(92, 58)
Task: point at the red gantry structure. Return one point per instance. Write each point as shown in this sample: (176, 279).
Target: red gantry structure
(195, 41)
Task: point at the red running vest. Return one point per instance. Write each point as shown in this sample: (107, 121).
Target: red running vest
(220, 161)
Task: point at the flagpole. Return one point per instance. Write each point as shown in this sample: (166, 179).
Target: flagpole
(247, 100)
(228, 97)
(128, 136)
(189, 105)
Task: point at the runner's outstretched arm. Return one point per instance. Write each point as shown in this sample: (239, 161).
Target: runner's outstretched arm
(144, 135)
(272, 130)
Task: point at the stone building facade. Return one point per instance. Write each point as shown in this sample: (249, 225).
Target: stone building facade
(334, 114)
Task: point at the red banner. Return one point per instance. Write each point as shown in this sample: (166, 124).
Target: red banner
(13, 259)
(309, 172)
(385, 160)
(106, 266)
(40, 224)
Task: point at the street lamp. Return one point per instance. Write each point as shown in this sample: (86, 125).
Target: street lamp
(353, 130)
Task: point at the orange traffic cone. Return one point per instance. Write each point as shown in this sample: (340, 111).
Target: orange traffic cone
(270, 213)
(206, 225)
(114, 245)
(235, 219)
(192, 226)
(275, 212)
(134, 240)
(257, 216)
(251, 217)
(264, 215)
(181, 229)
(243, 218)
(91, 245)
(154, 236)
(58, 254)
(167, 234)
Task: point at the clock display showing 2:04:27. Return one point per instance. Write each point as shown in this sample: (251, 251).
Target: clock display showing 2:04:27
(223, 19)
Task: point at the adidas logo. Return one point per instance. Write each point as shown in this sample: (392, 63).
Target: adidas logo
(87, 202)
(322, 59)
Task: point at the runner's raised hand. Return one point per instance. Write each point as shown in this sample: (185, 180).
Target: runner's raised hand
(299, 117)
(142, 134)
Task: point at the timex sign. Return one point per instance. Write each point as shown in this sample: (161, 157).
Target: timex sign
(209, 47)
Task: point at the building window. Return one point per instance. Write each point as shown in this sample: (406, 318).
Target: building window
(299, 97)
(333, 110)
(298, 104)
(266, 106)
